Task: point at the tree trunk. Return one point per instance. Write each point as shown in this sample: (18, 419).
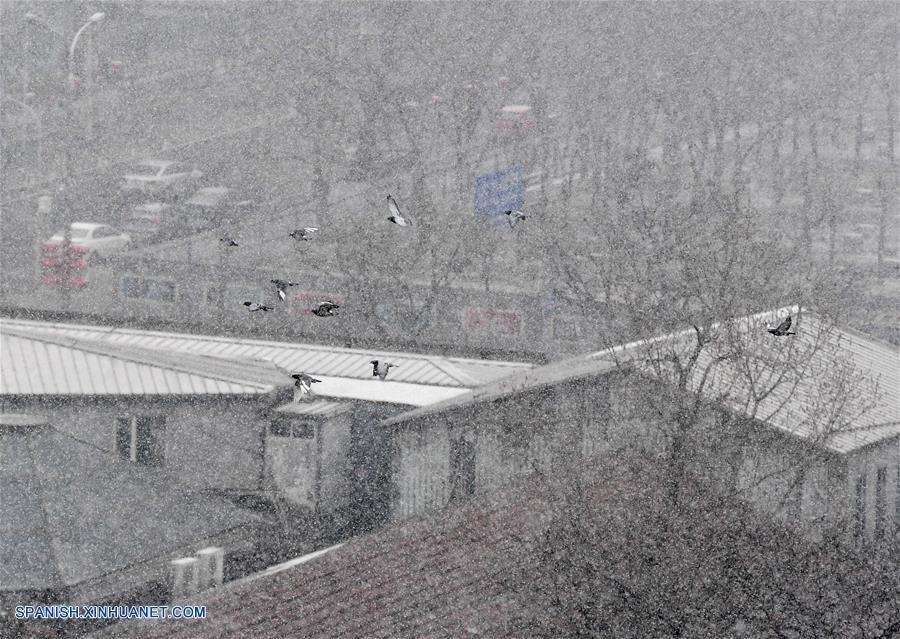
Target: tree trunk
(796, 141)
(777, 177)
(814, 141)
(883, 217)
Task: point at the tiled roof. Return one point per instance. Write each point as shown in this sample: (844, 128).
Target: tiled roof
(796, 403)
(417, 380)
(315, 408)
(59, 532)
(447, 576)
(41, 363)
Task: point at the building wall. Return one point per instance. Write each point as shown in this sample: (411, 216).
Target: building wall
(311, 472)
(334, 490)
(797, 483)
(209, 443)
(866, 464)
(514, 435)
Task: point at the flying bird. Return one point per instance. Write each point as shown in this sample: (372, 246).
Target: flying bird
(304, 234)
(380, 369)
(396, 216)
(253, 307)
(227, 241)
(514, 217)
(782, 329)
(304, 382)
(281, 286)
(325, 309)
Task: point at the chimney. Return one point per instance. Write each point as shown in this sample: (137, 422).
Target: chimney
(210, 567)
(184, 577)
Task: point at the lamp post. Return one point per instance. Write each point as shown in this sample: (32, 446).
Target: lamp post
(94, 19)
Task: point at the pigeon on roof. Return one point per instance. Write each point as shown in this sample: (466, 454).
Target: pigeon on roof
(325, 309)
(304, 234)
(227, 241)
(253, 306)
(304, 382)
(380, 369)
(396, 216)
(281, 286)
(782, 329)
(514, 216)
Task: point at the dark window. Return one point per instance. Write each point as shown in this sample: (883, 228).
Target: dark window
(133, 287)
(280, 428)
(141, 439)
(462, 469)
(880, 499)
(123, 437)
(150, 440)
(304, 430)
(860, 521)
(161, 290)
(289, 428)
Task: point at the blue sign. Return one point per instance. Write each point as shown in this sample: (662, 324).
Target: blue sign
(499, 192)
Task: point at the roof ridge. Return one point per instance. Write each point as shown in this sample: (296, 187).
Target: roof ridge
(140, 355)
(113, 330)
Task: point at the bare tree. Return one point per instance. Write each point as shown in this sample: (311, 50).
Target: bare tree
(616, 561)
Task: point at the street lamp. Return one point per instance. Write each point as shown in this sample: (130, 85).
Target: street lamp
(94, 19)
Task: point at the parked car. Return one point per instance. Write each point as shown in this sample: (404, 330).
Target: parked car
(161, 177)
(101, 239)
(514, 119)
(151, 222)
(214, 205)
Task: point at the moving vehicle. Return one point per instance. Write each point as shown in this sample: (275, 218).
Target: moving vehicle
(151, 222)
(161, 177)
(100, 239)
(214, 205)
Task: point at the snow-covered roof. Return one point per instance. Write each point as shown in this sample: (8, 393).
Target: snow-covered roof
(346, 373)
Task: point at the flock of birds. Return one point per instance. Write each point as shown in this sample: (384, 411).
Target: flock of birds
(327, 308)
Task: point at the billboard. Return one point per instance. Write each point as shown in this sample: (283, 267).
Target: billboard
(498, 192)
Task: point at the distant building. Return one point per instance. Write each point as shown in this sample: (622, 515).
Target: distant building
(220, 414)
(784, 455)
(82, 526)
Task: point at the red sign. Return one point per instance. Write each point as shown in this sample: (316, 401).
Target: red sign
(491, 321)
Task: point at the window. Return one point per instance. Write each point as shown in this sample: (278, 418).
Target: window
(880, 499)
(141, 439)
(289, 428)
(142, 288)
(860, 522)
(462, 469)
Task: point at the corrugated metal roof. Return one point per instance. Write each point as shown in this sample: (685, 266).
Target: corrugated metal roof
(315, 360)
(40, 363)
(315, 408)
(792, 383)
(541, 376)
(795, 372)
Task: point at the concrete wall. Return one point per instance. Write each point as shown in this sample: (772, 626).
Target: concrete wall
(209, 443)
